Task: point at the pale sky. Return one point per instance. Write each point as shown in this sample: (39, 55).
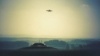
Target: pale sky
(69, 19)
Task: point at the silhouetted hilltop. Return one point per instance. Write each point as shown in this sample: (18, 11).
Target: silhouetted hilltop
(38, 46)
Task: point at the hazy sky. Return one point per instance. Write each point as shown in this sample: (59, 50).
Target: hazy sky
(69, 18)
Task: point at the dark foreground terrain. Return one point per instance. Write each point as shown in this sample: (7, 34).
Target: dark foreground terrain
(50, 53)
(84, 47)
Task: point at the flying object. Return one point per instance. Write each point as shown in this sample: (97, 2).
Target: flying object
(49, 10)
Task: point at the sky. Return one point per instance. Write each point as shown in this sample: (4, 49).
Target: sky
(68, 19)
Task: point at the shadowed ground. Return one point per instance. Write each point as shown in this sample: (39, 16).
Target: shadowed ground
(50, 53)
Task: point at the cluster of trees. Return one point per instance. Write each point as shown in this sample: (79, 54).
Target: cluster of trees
(56, 43)
(68, 45)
